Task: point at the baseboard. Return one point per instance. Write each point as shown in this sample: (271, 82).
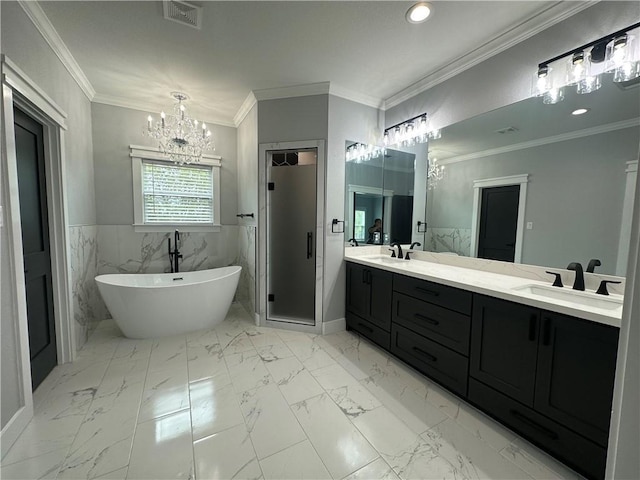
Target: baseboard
(14, 428)
(333, 326)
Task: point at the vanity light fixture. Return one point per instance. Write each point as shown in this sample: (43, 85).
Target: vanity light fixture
(180, 137)
(580, 111)
(616, 55)
(361, 152)
(419, 12)
(410, 132)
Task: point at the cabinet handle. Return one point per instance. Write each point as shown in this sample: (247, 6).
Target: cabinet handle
(533, 424)
(546, 336)
(532, 328)
(309, 244)
(369, 329)
(368, 277)
(427, 291)
(426, 319)
(428, 355)
(364, 276)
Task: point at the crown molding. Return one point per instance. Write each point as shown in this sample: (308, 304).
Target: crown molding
(358, 97)
(244, 109)
(320, 88)
(609, 127)
(554, 14)
(114, 101)
(50, 35)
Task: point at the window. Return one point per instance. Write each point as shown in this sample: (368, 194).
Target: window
(167, 195)
(359, 224)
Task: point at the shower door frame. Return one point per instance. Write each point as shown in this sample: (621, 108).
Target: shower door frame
(264, 149)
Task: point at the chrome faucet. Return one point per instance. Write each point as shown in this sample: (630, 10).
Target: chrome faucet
(397, 244)
(175, 255)
(578, 283)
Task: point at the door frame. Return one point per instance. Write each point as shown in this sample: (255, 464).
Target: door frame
(351, 189)
(20, 91)
(478, 185)
(261, 294)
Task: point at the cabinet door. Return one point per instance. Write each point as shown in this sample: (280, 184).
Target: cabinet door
(576, 369)
(504, 346)
(380, 298)
(358, 296)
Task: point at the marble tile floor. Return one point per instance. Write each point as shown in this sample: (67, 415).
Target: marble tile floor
(241, 401)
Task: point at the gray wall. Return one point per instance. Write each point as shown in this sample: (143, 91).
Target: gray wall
(248, 203)
(574, 196)
(292, 119)
(348, 121)
(114, 129)
(23, 44)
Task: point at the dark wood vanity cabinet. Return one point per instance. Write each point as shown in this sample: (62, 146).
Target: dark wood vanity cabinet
(369, 302)
(430, 327)
(548, 376)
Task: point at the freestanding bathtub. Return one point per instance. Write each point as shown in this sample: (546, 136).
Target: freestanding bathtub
(164, 304)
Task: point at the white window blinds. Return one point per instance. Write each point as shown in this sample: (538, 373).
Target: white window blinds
(177, 193)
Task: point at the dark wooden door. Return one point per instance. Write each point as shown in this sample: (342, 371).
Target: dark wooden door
(358, 290)
(504, 346)
(498, 223)
(576, 370)
(381, 293)
(35, 245)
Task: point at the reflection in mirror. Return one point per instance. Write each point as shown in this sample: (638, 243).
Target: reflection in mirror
(532, 183)
(390, 187)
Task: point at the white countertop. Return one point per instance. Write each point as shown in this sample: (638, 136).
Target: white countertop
(495, 285)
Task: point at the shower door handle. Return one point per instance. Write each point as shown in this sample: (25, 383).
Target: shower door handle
(309, 244)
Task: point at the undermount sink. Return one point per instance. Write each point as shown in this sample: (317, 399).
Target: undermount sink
(574, 296)
(382, 258)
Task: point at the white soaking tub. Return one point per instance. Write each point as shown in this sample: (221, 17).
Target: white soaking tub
(164, 304)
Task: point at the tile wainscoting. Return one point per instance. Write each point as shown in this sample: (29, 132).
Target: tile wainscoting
(88, 308)
(246, 293)
(456, 240)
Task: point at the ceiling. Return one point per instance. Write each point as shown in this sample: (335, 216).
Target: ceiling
(367, 51)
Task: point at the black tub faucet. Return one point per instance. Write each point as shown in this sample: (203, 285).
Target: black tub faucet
(174, 255)
(353, 242)
(397, 244)
(578, 284)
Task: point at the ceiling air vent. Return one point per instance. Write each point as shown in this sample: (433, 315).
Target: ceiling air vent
(183, 12)
(506, 130)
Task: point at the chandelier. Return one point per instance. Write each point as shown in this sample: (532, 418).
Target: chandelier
(616, 56)
(180, 137)
(435, 173)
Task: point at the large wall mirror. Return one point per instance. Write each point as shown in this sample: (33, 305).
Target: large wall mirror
(385, 196)
(533, 183)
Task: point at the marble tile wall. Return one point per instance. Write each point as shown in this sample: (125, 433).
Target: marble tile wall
(123, 250)
(246, 293)
(456, 240)
(88, 308)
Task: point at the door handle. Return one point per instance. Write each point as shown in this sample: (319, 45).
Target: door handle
(309, 244)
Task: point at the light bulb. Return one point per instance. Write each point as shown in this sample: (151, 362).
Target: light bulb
(553, 96)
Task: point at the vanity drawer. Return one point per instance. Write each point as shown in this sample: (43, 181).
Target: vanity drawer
(576, 451)
(451, 329)
(440, 363)
(445, 296)
(369, 330)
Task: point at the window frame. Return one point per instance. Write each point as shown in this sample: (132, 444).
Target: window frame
(139, 153)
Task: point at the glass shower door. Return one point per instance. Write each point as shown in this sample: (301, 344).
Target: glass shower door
(291, 231)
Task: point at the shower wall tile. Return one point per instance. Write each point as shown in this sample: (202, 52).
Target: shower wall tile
(246, 293)
(88, 308)
(123, 250)
(457, 240)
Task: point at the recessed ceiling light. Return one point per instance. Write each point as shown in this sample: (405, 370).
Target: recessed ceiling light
(419, 12)
(580, 111)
